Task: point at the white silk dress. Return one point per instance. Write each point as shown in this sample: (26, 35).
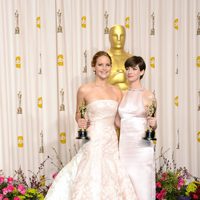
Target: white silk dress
(95, 173)
(136, 154)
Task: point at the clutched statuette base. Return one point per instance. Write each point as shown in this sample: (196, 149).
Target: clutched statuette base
(150, 135)
(82, 134)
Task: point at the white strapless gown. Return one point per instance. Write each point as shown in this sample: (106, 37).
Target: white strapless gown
(136, 154)
(95, 173)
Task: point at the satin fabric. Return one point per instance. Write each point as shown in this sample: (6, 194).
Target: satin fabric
(136, 154)
(95, 173)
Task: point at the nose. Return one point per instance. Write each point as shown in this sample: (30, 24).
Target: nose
(105, 66)
(118, 37)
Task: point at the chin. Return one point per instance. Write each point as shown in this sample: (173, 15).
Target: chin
(105, 75)
(118, 47)
(131, 80)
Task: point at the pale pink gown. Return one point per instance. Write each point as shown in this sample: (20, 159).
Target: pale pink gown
(136, 154)
(95, 173)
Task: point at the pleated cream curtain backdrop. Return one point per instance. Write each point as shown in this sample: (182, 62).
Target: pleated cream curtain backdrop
(45, 52)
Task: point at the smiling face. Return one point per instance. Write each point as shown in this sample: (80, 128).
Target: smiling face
(103, 67)
(135, 68)
(101, 64)
(133, 74)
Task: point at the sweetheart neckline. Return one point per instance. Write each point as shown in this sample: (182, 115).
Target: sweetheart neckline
(102, 100)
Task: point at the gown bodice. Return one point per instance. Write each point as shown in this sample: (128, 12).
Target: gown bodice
(132, 105)
(132, 113)
(102, 112)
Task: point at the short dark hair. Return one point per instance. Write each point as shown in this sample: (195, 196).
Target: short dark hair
(99, 54)
(135, 61)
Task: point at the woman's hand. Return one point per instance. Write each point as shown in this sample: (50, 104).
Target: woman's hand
(83, 123)
(152, 122)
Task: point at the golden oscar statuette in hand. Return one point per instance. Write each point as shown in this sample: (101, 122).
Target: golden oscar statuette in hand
(82, 133)
(150, 112)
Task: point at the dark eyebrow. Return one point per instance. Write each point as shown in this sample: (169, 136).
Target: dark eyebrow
(133, 67)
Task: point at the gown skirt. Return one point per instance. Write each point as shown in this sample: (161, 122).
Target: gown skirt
(95, 173)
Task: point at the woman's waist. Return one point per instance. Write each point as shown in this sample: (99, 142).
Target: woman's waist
(131, 126)
(103, 138)
(133, 119)
(134, 141)
(102, 123)
(101, 130)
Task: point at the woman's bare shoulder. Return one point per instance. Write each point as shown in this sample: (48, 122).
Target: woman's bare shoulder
(85, 87)
(148, 93)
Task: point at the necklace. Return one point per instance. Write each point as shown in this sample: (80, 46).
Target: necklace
(136, 89)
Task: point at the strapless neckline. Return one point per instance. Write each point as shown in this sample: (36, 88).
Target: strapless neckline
(102, 100)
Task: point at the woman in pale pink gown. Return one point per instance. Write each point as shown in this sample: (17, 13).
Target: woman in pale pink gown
(95, 173)
(137, 154)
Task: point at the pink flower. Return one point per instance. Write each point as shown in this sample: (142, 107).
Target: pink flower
(161, 195)
(21, 189)
(16, 198)
(1, 179)
(6, 199)
(158, 185)
(10, 180)
(10, 188)
(5, 190)
(164, 176)
(181, 182)
(54, 175)
(1, 196)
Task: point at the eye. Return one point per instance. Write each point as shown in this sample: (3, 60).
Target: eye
(128, 68)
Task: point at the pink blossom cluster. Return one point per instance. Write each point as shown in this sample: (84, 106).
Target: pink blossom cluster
(160, 195)
(10, 187)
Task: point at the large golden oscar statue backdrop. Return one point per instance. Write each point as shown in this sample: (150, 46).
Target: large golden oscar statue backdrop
(117, 37)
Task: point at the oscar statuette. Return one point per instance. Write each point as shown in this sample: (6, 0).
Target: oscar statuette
(82, 133)
(150, 112)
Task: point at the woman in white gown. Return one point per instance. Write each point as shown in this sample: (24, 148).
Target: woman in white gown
(95, 173)
(137, 154)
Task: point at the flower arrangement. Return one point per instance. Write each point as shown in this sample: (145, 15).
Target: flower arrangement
(19, 188)
(12, 189)
(175, 183)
